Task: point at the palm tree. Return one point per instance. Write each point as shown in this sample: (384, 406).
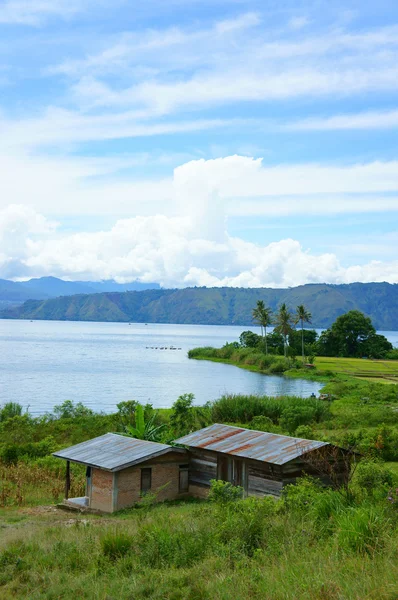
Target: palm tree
(263, 316)
(256, 313)
(302, 316)
(144, 430)
(284, 324)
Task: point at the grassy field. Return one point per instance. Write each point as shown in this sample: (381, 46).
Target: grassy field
(199, 551)
(380, 371)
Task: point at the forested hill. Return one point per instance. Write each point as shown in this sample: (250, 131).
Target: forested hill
(218, 306)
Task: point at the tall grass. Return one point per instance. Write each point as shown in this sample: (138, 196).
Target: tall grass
(289, 411)
(314, 545)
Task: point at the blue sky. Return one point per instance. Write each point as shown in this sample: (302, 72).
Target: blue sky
(199, 142)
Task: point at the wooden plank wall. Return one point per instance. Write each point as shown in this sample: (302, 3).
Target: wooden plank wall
(264, 480)
(202, 467)
(297, 468)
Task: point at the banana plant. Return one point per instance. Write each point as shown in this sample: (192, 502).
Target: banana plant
(144, 430)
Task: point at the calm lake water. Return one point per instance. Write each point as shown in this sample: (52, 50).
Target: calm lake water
(44, 363)
(100, 364)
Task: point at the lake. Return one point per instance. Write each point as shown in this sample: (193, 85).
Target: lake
(44, 363)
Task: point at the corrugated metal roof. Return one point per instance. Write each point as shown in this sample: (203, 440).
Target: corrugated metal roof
(113, 452)
(247, 443)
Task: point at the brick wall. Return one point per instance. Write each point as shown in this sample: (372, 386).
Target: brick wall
(101, 490)
(165, 482)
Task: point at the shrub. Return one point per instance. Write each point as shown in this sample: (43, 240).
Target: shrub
(224, 492)
(244, 525)
(371, 476)
(262, 423)
(278, 366)
(302, 495)
(9, 410)
(9, 455)
(305, 432)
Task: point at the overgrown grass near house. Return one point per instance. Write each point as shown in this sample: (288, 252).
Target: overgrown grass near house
(314, 544)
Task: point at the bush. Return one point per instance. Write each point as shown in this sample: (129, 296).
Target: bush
(371, 476)
(278, 366)
(245, 526)
(305, 432)
(224, 492)
(9, 455)
(302, 495)
(262, 423)
(9, 410)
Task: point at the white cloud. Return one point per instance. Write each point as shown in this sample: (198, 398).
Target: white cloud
(363, 120)
(230, 186)
(172, 251)
(193, 248)
(233, 61)
(58, 126)
(34, 12)
(298, 22)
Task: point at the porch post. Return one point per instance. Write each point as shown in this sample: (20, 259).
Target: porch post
(67, 480)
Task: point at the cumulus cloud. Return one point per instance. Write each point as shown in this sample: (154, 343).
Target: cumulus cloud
(170, 250)
(194, 247)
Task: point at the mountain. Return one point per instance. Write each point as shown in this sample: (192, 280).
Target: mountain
(51, 287)
(218, 306)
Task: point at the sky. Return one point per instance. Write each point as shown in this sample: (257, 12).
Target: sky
(199, 142)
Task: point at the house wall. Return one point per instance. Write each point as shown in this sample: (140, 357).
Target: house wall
(202, 468)
(101, 490)
(264, 479)
(340, 465)
(258, 479)
(165, 480)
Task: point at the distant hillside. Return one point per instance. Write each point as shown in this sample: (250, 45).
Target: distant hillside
(218, 306)
(52, 287)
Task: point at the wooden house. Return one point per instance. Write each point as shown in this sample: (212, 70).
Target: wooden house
(262, 463)
(119, 469)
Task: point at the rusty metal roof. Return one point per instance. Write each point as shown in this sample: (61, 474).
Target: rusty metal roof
(113, 452)
(247, 443)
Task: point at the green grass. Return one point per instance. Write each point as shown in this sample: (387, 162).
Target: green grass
(394, 467)
(201, 551)
(385, 371)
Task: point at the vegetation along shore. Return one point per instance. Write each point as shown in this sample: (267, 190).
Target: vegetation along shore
(312, 543)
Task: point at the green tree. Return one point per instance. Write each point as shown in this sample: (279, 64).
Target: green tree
(249, 339)
(69, 410)
(284, 324)
(352, 335)
(302, 316)
(263, 316)
(183, 418)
